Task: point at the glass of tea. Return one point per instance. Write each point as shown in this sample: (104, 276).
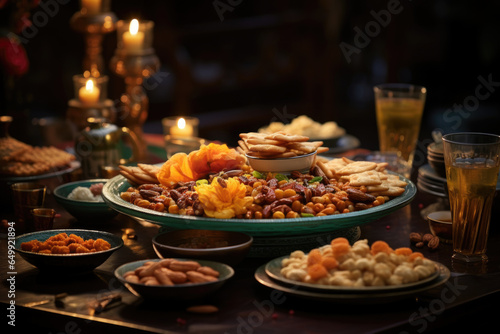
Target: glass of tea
(472, 163)
(399, 108)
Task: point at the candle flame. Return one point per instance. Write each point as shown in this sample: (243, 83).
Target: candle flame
(89, 86)
(134, 27)
(181, 123)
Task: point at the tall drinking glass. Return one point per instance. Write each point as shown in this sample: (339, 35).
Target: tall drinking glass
(399, 109)
(472, 163)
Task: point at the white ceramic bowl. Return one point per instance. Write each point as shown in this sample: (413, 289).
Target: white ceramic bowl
(301, 163)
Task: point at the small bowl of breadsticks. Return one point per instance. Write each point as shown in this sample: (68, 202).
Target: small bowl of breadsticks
(279, 152)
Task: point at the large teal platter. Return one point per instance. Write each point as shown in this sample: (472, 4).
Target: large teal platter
(255, 227)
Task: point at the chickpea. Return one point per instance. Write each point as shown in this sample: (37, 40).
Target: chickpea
(296, 206)
(320, 214)
(278, 215)
(257, 214)
(174, 209)
(340, 206)
(255, 207)
(328, 211)
(279, 193)
(292, 214)
(318, 207)
(257, 184)
(282, 182)
(380, 199)
(289, 193)
(318, 199)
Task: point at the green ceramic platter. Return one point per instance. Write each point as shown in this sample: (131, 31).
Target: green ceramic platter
(255, 227)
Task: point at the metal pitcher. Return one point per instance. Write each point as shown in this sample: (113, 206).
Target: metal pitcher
(98, 147)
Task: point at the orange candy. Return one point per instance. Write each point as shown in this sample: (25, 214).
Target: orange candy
(329, 262)
(339, 240)
(317, 271)
(380, 246)
(340, 249)
(415, 255)
(403, 251)
(314, 257)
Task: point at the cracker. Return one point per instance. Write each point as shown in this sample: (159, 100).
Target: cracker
(357, 167)
(149, 169)
(282, 136)
(266, 148)
(368, 178)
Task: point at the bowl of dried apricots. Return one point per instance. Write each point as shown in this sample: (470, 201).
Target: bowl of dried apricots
(67, 250)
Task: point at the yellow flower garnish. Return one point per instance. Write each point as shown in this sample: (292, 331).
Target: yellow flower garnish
(223, 200)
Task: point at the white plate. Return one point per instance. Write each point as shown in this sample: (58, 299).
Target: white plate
(273, 268)
(355, 297)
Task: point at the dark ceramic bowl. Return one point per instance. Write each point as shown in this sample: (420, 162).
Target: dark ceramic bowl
(68, 263)
(166, 293)
(82, 210)
(440, 225)
(221, 246)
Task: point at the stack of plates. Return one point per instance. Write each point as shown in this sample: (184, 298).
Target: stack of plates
(431, 182)
(269, 275)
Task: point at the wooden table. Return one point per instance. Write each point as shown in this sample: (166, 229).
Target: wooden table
(245, 306)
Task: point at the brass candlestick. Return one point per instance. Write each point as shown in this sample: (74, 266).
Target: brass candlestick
(94, 22)
(135, 62)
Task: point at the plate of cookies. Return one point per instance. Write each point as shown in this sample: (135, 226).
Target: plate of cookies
(331, 195)
(23, 162)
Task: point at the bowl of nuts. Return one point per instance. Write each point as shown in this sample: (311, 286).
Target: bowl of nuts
(213, 245)
(173, 278)
(440, 224)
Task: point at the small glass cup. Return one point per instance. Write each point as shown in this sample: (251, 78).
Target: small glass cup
(399, 109)
(186, 145)
(472, 162)
(43, 218)
(27, 196)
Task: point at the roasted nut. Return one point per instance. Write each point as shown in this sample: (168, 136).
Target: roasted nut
(415, 237)
(433, 243)
(419, 244)
(427, 237)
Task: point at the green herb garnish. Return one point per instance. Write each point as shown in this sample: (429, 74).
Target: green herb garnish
(316, 179)
(281, 177)
(258, 175)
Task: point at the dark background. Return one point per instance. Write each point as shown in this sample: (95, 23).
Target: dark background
(235, 74)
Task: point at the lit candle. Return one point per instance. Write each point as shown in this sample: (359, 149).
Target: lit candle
(92, 7)
(89, 94)
(182, 129)
(133, 39)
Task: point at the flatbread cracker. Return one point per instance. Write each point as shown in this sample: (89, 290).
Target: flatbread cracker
(357, 167)
(282, 136)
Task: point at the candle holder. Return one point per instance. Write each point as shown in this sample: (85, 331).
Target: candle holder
(85, 105)
(94, 20)
(135, 62)
(180, 126)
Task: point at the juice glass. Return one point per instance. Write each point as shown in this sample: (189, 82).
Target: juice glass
(472, 163)
(399, 109)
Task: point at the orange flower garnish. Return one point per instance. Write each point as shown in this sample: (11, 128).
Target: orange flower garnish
(223, 201)
(212, 158)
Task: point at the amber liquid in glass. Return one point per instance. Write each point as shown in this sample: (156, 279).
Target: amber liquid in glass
(471, 190)
(398, 121)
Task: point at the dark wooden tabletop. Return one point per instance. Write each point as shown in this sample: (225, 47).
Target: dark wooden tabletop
(246, 306)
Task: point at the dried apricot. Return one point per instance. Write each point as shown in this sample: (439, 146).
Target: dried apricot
(415, 255)
(314, 257)
(317, 271)
(329, 262)
(339, 240)
(403, 251)
(380, 246)
(340, 249)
